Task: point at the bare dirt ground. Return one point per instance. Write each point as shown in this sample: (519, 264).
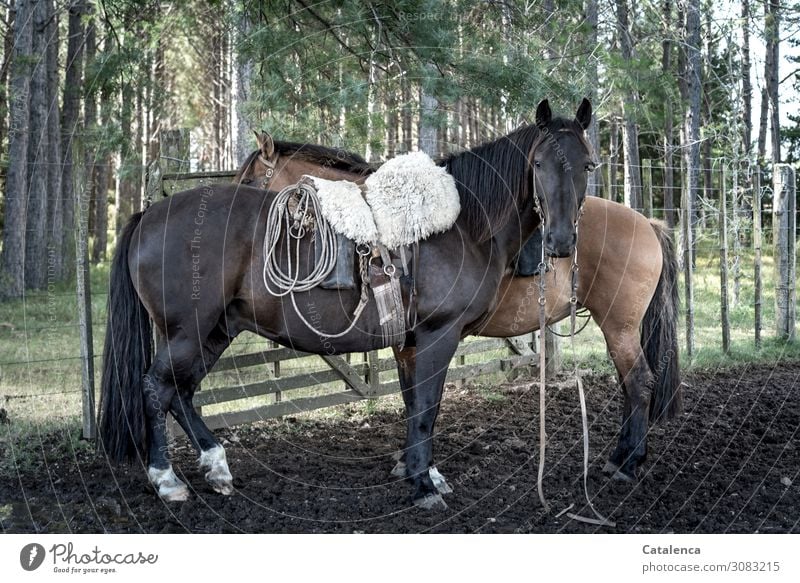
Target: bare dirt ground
(730, 464)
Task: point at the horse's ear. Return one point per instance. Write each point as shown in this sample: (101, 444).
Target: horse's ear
(543, 113)
(584, 113)
(265, 144)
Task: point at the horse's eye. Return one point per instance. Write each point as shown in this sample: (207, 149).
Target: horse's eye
(537, 163)
(590, 168)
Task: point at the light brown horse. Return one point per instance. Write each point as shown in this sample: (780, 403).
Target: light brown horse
(626, 279)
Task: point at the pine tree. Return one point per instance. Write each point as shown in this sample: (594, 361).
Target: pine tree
(12, 258)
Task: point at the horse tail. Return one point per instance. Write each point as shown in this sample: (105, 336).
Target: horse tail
(127, 356)
(660, 334)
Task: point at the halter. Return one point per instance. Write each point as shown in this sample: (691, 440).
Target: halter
(270, 172)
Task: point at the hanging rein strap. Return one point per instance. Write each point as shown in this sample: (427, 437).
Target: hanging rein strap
(573, 309)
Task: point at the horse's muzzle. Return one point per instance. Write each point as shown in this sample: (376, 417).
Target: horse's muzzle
(560, 246)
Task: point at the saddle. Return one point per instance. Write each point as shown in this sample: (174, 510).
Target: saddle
(405, 201)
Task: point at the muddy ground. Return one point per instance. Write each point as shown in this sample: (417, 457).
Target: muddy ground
(731, 463)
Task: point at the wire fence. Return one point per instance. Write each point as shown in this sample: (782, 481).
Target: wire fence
(743, 259)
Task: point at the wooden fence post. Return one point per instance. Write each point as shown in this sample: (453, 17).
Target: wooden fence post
(553, 353)
(175, 150)
(757, 300)
(607, 186)
(373, 373)
(723, 263)
(784, 207)
(647, 190)
(687, 232)
(84, 289)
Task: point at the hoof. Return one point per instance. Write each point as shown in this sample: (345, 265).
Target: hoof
(221, 485)
(610, 468)
(399, 470)
(218, 475)
(431, 502)
(439, 482)
(169, 486)
(177, 494)
(621, 476)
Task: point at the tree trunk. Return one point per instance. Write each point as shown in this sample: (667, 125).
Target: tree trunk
(691, 147)
(591, 89)
(391, 121)
(772, 33)
(12, 259)
(36, 238)
(127, 170)
(706, 121)
(744, 169)
(8, 48)
(613, 158)
(369, 153)
(70, 113)
(103, 172)
(630, 135)
(244, 77)
(55, 219)
(226, 160)
(89, 124)
(747, 89)
(427, 121)
(666, 69)
(408, 115)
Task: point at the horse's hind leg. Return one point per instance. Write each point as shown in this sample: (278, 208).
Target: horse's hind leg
(212, 454)
(406, 367)
(171, 368)
(636, 380)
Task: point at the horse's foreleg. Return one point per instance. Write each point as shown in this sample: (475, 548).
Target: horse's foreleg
(406, 366)
(636, 380)
(435, 349)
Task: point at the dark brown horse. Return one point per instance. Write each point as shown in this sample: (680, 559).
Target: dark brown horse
(193, 265)
(626, 279)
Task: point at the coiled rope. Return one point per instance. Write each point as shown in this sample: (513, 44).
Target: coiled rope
(280, 219)
(278, 282)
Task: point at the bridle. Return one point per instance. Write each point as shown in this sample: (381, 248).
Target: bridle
(268, 174)
(573, 300)
(537, 202)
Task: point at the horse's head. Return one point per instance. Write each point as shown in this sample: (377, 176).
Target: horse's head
(259, 168)
(561, 161)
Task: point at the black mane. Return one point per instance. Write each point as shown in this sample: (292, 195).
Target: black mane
(493, 179)
(335, 158)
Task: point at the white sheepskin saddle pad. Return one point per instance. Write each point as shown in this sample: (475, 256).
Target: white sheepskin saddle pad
(408, 199)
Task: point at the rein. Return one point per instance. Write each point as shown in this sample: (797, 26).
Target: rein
(573, 300)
